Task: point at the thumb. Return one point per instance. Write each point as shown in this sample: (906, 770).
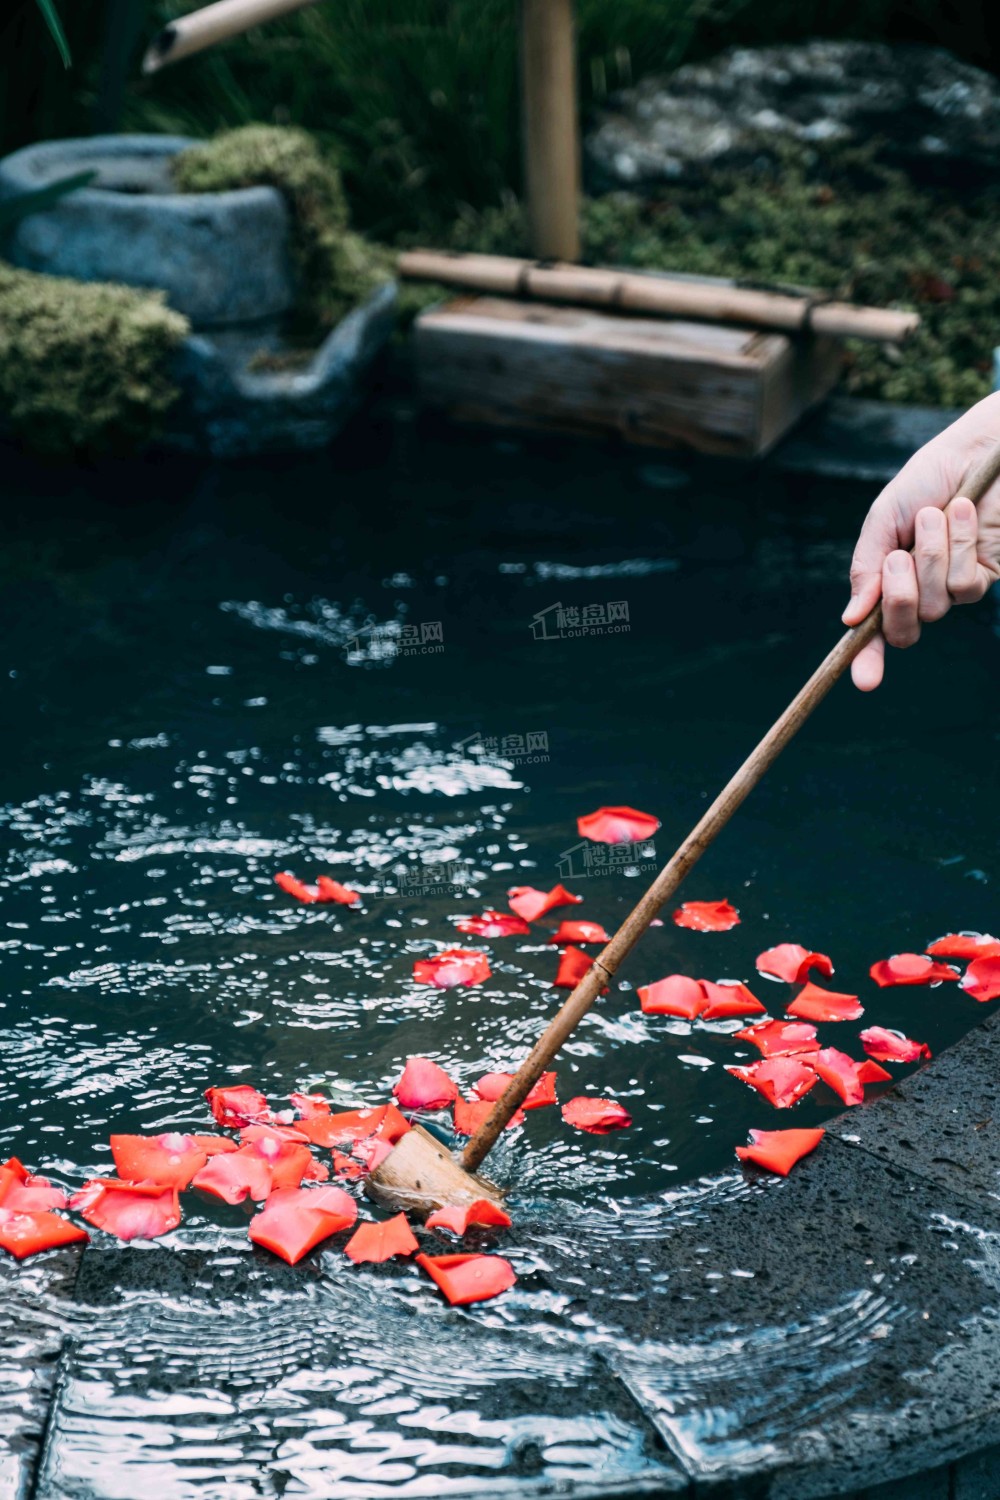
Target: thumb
(879, 536)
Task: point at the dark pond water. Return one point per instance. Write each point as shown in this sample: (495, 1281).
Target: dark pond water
(216, 674)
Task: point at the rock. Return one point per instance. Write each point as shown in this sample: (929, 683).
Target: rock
(221, 258)
(934, 113)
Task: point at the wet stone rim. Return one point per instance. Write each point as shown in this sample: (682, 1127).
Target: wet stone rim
(821, 1335)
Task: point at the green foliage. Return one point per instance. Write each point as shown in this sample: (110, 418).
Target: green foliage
(336, 269)
(51, 18)
(83, 366)
(835, 220)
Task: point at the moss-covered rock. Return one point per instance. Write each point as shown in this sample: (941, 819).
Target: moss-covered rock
(336, 268)
(83, 366)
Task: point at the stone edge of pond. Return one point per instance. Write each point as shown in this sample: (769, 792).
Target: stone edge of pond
(852, 439)
(896, 1218)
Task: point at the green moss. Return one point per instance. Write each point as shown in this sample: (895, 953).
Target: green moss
(838, 220)
(83, 365)
(336, 269)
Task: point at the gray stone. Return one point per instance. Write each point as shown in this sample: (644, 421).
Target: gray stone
(34, 1303)
(221, 258)
(228, 409)
(931, 111)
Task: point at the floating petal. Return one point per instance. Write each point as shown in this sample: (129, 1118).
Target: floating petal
(531, 904)
(723, 1000)
(294, 1221)
(910, 968)
(846, 1077)
(494, 924)
(573, 964)
(707, 916)
(22, 1193)
(965, 945)
(892, 1046)
(457, 1217)
(292, 886)
(237, 1104)
(597, 1116)
(617, 825)
(470, 1115)
(132, 1211)
(24, 1233)
(791, 962)
(813, 1003)
(452, 966)
(424, 1085)
(170, 1159)
(780, 1038)
(674, 996)
(779, 1150)
(329, 889)
(982, 979)
(492, 1085)
(469, 1278)
(782, 1080)
(580, 932)
(381, 1241)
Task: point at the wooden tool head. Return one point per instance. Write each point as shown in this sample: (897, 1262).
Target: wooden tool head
(420, 1175)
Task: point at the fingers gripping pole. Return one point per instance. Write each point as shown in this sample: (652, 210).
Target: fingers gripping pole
(569, 1016)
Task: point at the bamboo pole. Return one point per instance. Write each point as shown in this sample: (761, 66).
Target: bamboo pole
(215, 23)
(566, 1020)
(550, 127)
(662, 296)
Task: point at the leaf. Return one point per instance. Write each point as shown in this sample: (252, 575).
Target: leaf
(779, 1150)
(13, 210)
(52, 21)
(707, 916)
(381, 1241)
(424, 1085)
(791, 962)
(617, 825)
(597, 1116)
(469, 1278)
(813, 1003)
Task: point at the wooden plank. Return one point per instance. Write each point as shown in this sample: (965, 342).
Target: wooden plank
(671, 383)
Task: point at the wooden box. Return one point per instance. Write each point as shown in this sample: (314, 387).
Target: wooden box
(651, 380)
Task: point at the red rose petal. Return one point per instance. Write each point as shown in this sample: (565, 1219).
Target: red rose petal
(782, 1080)
(329, 889)
(531, 904)
(452, 966)
(494, 924)
(846, 1077)
(372, 1152)
(354, 1125)
(237, 1104)
(982, 979)
(597, 1116)
(580, 932)
(24, 1233)
(724, 1000)
(292, 886)
(469, 1278)
(264, 1163)
(892, 1046)
(791, 962)
(674, 996)
(381, 1241)
(424, 1085)
(457, 1217)
(170, 1159)
(813, 1003)
(492, 1085)
(617, 825)
(347, 1169)
(707, 916)
(471, 1114)
(294, 1221)
(910, 968)
(964, 945)
(573, 964)
(310, 1106)
(779, 1150)
(781, 1038)
(22, 1193)
(130, 1210)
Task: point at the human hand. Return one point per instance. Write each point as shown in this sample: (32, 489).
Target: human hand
(956, 548)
